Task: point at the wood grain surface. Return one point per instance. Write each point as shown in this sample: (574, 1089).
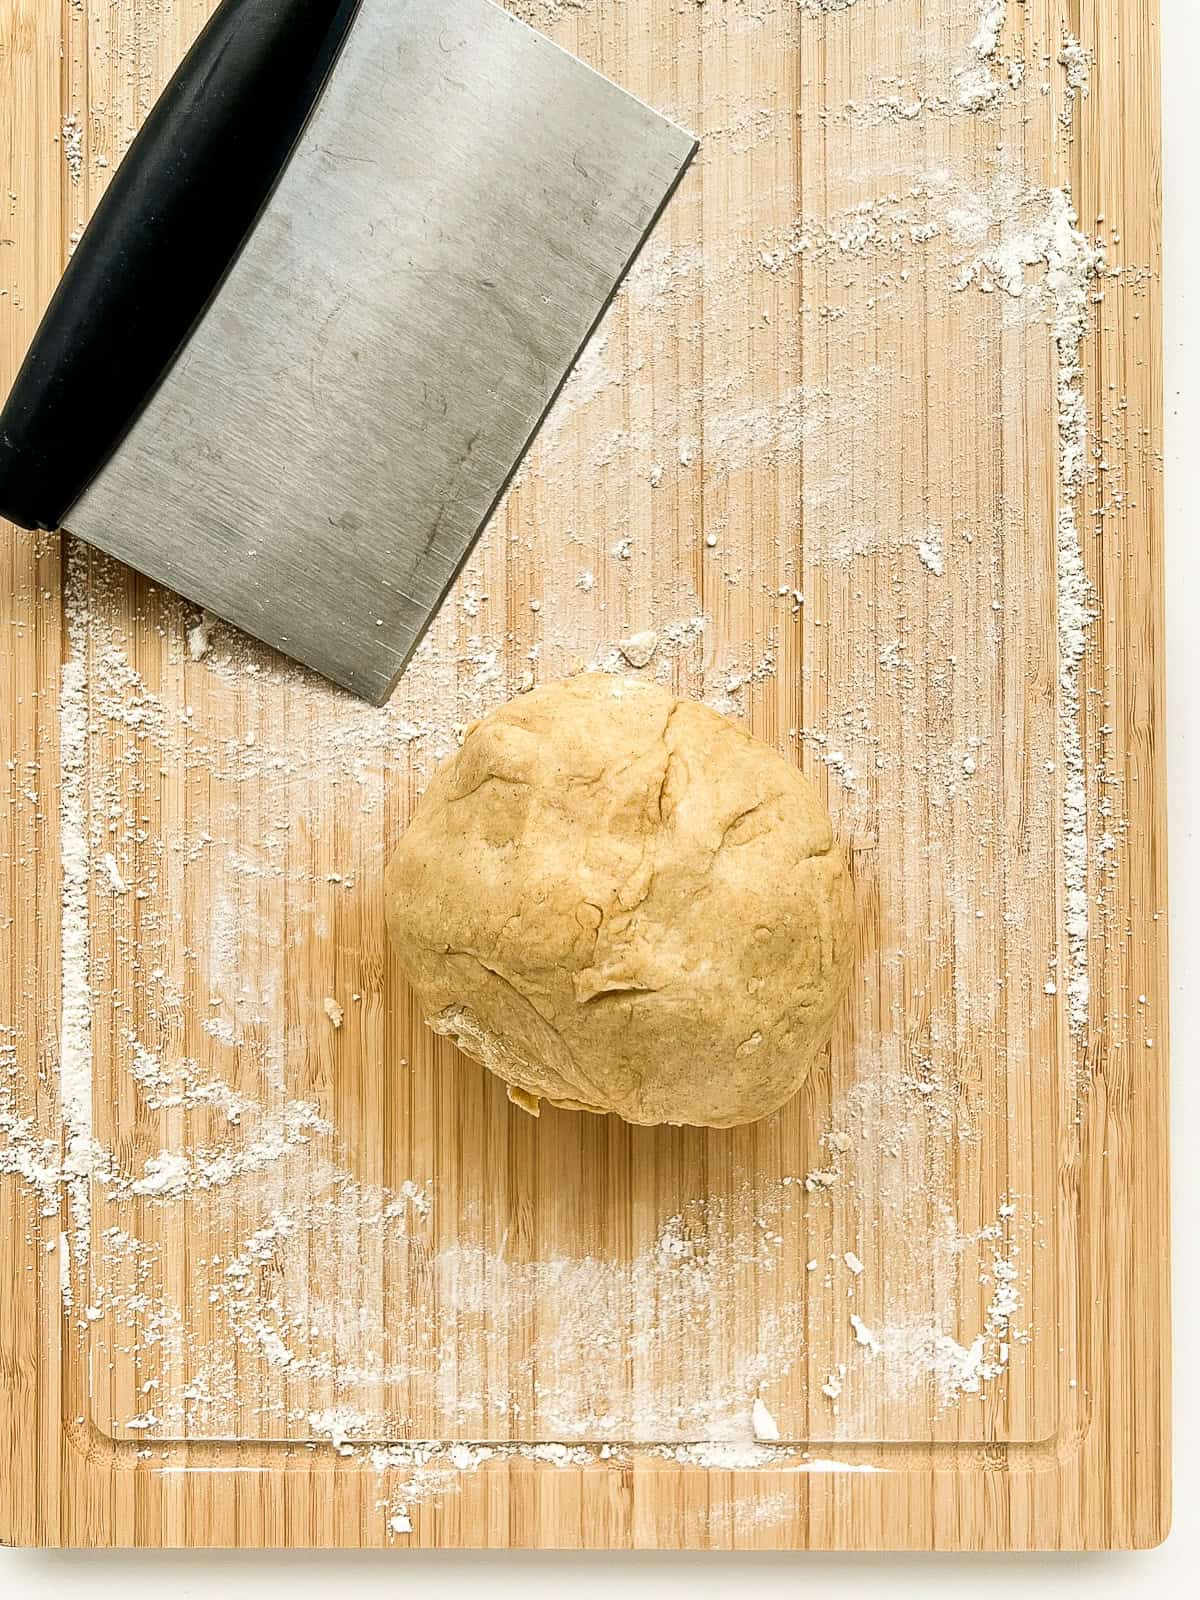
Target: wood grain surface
(823, 447)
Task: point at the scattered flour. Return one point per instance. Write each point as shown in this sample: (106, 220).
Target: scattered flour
(1078, 63)
(72, 141)
(764, 1424)
(991, 21)
(248, 1149)
(75, 1026)
(172, 1173)
(930, 552)
(639, 648)
(199, 637)
(108, 865)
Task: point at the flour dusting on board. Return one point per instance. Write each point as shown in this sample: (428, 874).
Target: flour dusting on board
(740, 518)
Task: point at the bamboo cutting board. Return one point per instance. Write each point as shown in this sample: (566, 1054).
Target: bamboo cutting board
(870, 444)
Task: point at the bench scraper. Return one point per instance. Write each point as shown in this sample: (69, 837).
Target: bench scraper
(322, 308)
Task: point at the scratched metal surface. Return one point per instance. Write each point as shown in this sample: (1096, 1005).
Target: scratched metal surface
(319, 462)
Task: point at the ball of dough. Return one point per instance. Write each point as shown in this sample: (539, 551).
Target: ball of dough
(620, 901)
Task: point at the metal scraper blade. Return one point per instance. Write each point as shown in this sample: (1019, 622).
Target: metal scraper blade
(318, 462)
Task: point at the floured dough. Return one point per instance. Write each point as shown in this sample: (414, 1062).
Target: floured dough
(620, 901)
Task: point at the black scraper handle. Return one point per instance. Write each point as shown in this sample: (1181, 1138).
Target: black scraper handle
(167, 229)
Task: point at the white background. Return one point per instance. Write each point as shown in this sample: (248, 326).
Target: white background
(230, 1575)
